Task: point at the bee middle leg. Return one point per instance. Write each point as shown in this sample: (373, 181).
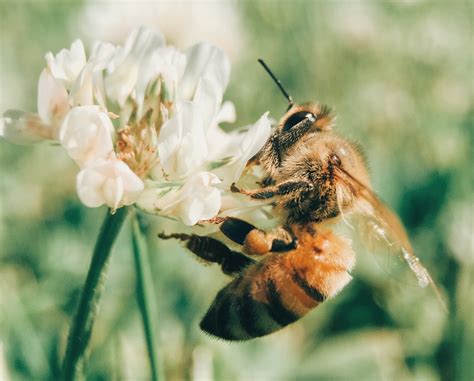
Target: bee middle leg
(214, 251)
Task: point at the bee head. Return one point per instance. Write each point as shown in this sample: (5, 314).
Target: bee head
(319, 115)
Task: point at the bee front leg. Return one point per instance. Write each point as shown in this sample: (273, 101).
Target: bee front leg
(287, 139)
(214, 251)
(275, 190)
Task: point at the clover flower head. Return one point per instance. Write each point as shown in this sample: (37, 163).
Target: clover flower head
(141, 121)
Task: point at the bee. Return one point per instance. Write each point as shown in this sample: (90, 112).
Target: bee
(313, 178)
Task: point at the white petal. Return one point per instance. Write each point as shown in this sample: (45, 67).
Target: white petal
(208, 100)
(198, 199)
(247, 145)
(53, 103)
(102, 55)
(109, 182)
(182, 145)
(67, 64)
(226, 113)
(82, 92)
(227, 147)
(169, 141)
(19, 127)
(205, 61)
(89, 84)
(89, 183)
(256, 137)
(123, 69)
(86, 134)
(132, 185)
(88, 89)
(113, 191)
(203, 205)
(167, 63)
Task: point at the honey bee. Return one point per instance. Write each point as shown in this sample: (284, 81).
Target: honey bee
(314, 178)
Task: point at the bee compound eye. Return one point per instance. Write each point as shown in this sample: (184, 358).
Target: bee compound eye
(296, 118)
(334, 159)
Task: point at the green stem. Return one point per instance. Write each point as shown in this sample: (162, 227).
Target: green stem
(146, 298)
(83, 322)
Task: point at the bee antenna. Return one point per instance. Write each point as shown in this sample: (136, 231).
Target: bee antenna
(278, 83)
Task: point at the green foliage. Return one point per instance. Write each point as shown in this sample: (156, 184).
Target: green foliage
(400, 77)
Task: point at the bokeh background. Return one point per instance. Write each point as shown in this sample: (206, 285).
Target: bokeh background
(400, 76)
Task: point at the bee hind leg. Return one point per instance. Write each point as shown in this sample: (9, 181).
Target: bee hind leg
(236, 229)
(256, 241)
(213, 251)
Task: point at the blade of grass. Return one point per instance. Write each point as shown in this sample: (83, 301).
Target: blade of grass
(81, 328)
(146, 298)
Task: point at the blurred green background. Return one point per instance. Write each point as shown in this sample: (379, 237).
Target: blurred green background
(399, 75)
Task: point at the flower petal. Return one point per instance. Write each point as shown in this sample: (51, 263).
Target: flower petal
(86, 134)
(182, 145)
(205, 61)
(243, 147)
(82, 92)
(123, 69)
(167, 63)
(226, 113)
(89, 183)
(198, 199)
(67, 64)
(53, 103)
(113, 191)
(109, 182)
(102, 54)
(89, 84)
(19, 127)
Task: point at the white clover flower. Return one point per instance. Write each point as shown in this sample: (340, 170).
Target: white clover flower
(166, 154)
(86, 134)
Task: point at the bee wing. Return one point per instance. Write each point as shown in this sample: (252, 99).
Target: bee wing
(383, 229)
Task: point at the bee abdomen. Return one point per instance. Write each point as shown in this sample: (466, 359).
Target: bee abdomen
(277, 309)
(259, 304)
(307, 288)
(232, 315)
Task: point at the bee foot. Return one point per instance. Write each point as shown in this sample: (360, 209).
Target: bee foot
(235, 189)
(214, 220)
(180, 236)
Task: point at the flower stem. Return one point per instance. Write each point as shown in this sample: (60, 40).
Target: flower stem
(81, 329)
(146, 298)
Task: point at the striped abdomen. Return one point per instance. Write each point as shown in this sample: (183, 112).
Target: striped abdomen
(276, 292)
